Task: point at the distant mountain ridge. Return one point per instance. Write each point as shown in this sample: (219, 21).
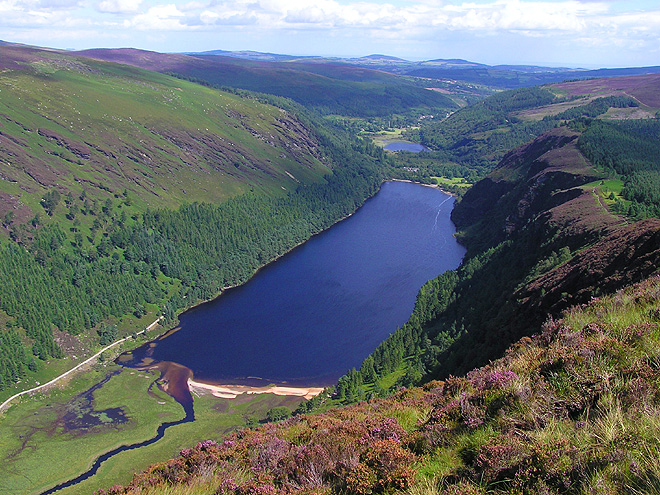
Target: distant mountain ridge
(293, 75)
(503, 75)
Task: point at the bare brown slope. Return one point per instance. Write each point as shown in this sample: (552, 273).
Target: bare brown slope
(629, 255)
(540, 185)
(645, 88)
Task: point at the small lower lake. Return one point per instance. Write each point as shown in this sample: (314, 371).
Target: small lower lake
(405, 146)
(315, 313)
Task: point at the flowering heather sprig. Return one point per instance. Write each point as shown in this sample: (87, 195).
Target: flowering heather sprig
(387, 429)
(207, 444)
(227, 485)
(499, 379)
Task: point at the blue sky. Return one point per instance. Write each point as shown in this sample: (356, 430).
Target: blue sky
(574, 33)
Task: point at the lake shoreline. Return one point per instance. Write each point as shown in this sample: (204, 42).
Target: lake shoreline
(241, 353)
(435, 186)
(277, 258)
(346, 217)
(229, 287)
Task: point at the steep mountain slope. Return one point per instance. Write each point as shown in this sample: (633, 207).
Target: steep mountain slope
(555, 244)
(128, 194)
(73, 124)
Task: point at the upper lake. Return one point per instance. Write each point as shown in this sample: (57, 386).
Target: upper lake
(405, 146)
(321, 309)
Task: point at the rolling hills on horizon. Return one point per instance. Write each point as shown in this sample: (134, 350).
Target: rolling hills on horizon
(501, 76)
(327, 88)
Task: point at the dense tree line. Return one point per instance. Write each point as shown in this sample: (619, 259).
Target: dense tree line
(628, 150)
(423, 166)
(480, 135)
(594, 108)
(55, 281)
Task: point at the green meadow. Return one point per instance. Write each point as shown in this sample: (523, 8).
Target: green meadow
(47, 439)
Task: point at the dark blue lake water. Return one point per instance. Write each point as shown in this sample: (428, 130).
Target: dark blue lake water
(402, 146)
(309, 317)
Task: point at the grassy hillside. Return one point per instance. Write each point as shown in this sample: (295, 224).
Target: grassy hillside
(73, 125)
(327, 88)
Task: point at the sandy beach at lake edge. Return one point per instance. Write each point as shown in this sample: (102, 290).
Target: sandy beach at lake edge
(233, 391)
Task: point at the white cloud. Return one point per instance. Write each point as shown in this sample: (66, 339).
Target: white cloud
(58, 4)
(580, 24)
(15, 14)
(159, 18)
(119, 6)
(568, 15)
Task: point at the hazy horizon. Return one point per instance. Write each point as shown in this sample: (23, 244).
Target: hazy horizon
(338, 56)
(551, 33)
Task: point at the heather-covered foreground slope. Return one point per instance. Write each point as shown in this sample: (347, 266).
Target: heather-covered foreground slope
(572, 410)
